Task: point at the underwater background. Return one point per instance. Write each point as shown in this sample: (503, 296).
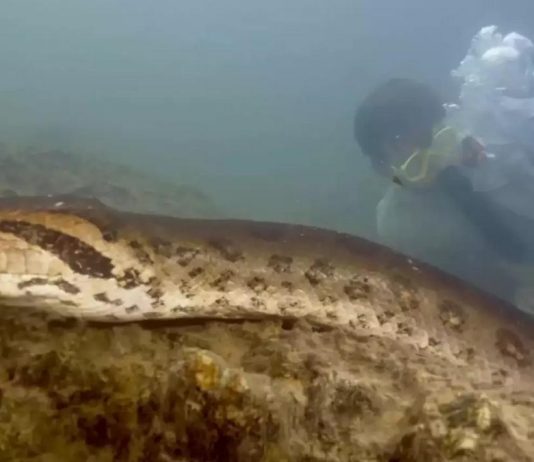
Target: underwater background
(252, 103)
(244, 109)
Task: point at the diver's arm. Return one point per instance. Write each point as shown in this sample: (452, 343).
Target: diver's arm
(480, 211)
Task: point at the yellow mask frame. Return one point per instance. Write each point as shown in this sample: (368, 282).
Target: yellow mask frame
(421, 168)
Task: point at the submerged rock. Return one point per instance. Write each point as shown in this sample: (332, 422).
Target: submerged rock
(57, 172)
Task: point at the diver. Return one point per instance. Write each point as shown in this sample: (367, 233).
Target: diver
(401, 128)
(431, 210)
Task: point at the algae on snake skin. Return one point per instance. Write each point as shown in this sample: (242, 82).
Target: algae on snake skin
(263, 391)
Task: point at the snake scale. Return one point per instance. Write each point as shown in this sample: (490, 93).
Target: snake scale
(78, 258)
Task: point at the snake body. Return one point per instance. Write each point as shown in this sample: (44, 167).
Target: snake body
(78, 258)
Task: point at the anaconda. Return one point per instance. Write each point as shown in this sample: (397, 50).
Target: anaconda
(78, 258)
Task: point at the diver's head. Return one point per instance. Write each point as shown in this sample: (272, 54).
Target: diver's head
(396, 119)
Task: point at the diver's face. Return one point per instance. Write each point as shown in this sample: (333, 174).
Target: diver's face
(403, 146)
(395, 154)
(399, 151)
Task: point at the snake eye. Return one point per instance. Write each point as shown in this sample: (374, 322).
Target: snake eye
(109, 235)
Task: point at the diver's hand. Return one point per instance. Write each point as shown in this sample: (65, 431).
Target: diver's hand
(472, 152)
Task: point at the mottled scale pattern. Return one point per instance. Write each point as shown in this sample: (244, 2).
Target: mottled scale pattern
(78, 258)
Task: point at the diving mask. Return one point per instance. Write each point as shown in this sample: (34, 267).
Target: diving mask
(448, 148)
